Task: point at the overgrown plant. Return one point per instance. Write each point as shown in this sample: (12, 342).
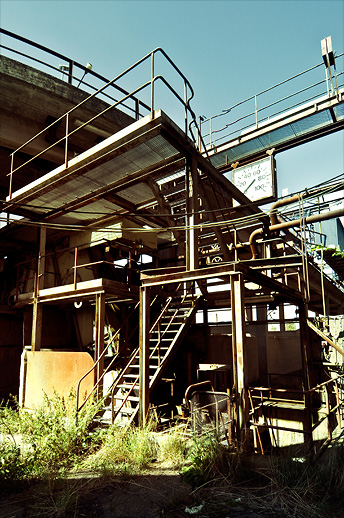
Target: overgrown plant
(125, 450)
(44, 441)
(310, 487)
(209, 459)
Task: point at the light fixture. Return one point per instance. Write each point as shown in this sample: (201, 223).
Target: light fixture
(87, 69)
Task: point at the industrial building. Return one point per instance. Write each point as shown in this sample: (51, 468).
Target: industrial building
(136, 261)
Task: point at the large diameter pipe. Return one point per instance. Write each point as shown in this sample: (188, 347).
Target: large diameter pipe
(289, 224)
(275, 218)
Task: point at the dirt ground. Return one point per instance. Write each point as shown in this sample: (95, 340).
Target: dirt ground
(158, 494)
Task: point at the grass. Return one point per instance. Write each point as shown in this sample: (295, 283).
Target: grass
(58, 461)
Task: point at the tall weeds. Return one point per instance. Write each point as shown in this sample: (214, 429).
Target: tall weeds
(49, 448)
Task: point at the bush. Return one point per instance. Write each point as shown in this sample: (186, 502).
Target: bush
(209, 459)
(35, 444)
(125, 450)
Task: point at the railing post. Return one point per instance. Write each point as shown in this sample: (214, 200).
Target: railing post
(99, 340)
(66, 140)
(70, 72)
(11, 175)
(185, 107)
(75, 265)
(328, 411)
(152, 85)
(338, 404)
(256, 109)
(137, 109)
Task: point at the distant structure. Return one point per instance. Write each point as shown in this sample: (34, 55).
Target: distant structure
(136, 261)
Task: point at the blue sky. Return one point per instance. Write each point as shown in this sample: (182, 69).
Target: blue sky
(229, 50)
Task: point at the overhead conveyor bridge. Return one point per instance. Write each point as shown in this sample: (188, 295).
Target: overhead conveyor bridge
(320, 117)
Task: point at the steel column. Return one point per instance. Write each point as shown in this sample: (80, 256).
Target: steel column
(36, 336)
(305, 354)
(144, 354)
(99, 338)
(192, 216)
(239, 360)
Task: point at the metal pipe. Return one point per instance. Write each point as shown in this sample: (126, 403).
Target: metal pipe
(289, 224)
(276, 218)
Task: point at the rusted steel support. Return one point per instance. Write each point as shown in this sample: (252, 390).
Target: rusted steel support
(305, 354)
(192, 214)
(239, 361)
(144, 354)
(99, 338)
(36, 337)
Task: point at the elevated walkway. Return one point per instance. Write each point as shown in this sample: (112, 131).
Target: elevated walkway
(311, 120)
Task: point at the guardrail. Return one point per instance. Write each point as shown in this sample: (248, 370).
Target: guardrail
(73, 71)
(270, 102)
(150, 85)
(261, 399)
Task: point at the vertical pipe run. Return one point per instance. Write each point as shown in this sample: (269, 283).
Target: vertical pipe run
(305, 354)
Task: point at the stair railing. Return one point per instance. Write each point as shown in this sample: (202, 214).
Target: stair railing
(97, 362)
(156, 324)
(135, 352)
(129, 364)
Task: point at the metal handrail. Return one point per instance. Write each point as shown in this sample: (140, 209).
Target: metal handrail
(132, 357)
(307, 394)
(135, 352)
(71, 64)
(151, 83)
(96, 363)
(257, 110)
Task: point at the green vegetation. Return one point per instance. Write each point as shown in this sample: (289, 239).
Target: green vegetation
(59, 461)
(336, 250)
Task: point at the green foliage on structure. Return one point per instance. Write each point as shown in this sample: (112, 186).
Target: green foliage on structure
(336, 250)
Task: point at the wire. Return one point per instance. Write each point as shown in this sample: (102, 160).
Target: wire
(233, 222)
(327, 189)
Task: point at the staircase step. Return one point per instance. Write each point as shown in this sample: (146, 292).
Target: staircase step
(127, 386)
(161, 339)
(124, 411)
(134, 399)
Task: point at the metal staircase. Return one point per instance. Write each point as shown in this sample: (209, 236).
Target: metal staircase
(166, 335)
